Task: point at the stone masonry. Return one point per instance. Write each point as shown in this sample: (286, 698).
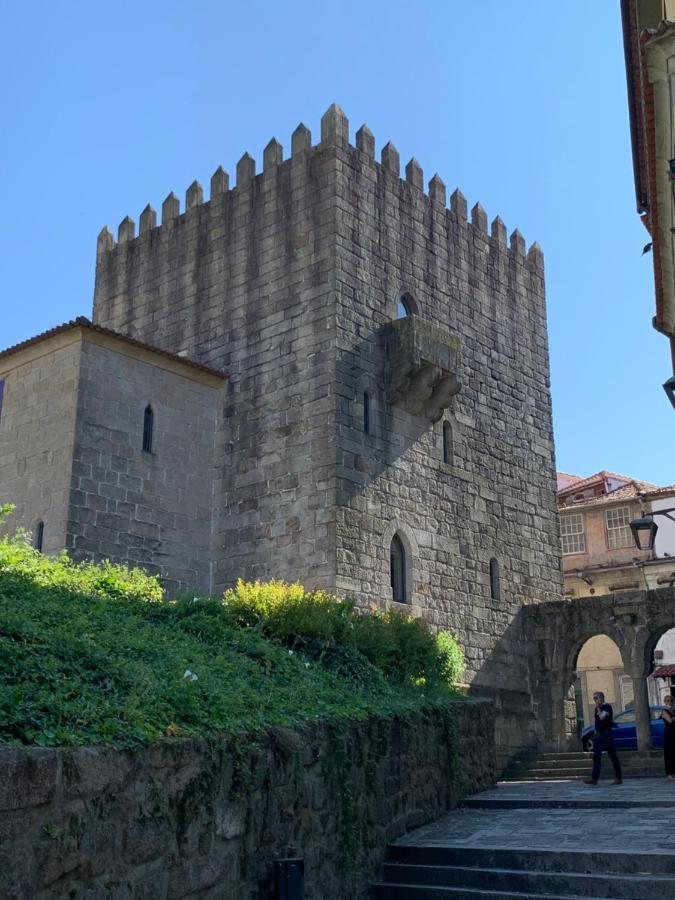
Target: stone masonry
(72, 457)
(343, 425)
(206, 819)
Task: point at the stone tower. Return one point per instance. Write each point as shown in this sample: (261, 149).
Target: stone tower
(388, 400)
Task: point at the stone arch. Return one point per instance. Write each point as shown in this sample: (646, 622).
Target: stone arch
(412, 556)
(646, 639)
(562, 722)
(579, 640)
(406, 300)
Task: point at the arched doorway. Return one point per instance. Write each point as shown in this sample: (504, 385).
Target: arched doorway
(599, 667)
(661, 668)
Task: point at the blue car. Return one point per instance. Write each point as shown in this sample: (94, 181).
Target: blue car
(625, 732)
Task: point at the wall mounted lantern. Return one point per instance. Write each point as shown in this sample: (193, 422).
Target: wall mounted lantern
(644, 528)
(669, 388)
(644, 531)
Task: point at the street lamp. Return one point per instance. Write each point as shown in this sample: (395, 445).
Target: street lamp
(644, 528)
(669, 388)
(644, 531)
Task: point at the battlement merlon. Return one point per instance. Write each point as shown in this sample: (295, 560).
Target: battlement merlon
(335, 133)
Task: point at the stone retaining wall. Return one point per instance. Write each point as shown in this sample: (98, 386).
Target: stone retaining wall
(206, 818)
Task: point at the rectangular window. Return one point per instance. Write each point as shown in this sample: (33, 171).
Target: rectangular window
(572, 533)
(2, 391)
(618, 527)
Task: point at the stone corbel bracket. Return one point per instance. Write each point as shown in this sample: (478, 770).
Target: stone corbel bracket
(422, 365)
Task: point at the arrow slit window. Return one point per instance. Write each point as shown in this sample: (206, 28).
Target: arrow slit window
(397, 562)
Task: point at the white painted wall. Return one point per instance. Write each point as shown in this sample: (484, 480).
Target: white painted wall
(665, 536)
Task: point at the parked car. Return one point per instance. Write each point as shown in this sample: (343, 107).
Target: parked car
(625, 731)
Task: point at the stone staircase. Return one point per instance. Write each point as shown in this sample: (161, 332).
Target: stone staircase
(461, 873)
(547, 766)
(545, 838)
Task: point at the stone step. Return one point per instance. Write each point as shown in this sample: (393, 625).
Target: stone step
(384, 891)
(606, 773)
(581, 770)
(581, 759)
(584, 759)
(579, 753)
(591, 861)
(621, 887)
(586, 802)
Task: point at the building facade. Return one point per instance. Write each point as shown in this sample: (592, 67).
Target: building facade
(600, 557)
(385, 427)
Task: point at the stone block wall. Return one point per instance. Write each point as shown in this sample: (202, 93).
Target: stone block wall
(289, 282)
(37, 433)
(149, 509)
(245, 283)
(495, 497)
(206, 819)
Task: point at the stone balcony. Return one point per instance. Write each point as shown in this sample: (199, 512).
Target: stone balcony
(422, 365)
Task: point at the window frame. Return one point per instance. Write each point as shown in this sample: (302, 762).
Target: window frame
(397, 552)
(367, 417)
(495, 581)
(448, 443)
(567, 518)
(615, 533)
(148, 428)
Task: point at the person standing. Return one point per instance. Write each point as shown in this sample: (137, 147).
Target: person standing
(603, 739)
(668, 716)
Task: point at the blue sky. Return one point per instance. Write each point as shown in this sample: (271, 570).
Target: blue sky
(523, 106)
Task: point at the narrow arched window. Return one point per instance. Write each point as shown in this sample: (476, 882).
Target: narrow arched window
(366, 412)
(495, 590)
(398, 570)
(148, 425)
(404, 308)
(447, 442)
(39, 535)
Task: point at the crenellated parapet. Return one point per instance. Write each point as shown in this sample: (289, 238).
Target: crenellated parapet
(335, 133)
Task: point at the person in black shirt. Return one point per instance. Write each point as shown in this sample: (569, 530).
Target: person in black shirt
(603, 739)
(668, 716)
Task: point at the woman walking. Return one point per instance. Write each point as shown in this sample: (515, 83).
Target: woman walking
(668, 716)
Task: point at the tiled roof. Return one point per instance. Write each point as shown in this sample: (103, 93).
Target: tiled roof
(655, 492)
(631, 491)
(83, 322)
(663, 671)
(564, 479)
(598, 476)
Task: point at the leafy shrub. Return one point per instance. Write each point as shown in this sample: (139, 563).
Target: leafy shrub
(402, 647)
(453, 662)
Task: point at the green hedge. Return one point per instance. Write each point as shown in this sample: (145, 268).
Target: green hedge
(95, 654)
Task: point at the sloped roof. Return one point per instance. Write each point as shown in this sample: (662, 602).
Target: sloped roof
(83, 322)
(629, 489)
(598, 476)
(655, 492)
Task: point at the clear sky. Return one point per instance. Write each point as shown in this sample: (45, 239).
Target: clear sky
(522, 105)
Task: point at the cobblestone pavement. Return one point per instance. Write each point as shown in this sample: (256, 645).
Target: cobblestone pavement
(637, 829)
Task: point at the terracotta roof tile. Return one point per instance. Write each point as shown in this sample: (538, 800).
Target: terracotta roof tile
(598, 476)
(83, 322)
(663, 671)
(634, 490)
